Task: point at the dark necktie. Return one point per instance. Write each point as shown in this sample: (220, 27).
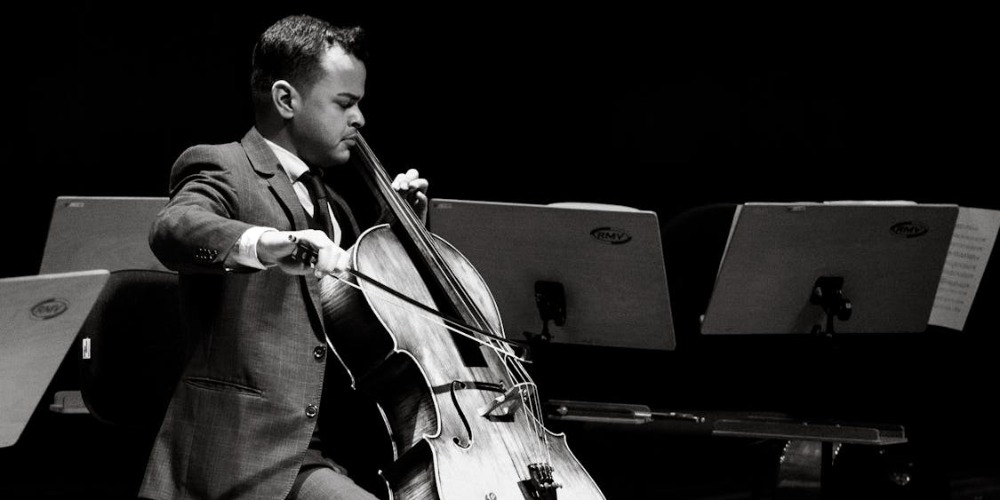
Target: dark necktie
(321, 207)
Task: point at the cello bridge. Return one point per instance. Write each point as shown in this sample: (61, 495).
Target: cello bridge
(503, 406)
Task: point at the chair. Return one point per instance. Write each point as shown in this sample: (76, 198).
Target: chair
(137, 349)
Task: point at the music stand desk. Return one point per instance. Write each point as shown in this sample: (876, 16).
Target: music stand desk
(884, 259)
(101, 232)
(608, 263)
(40, 316)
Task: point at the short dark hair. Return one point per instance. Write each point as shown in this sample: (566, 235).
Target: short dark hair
(292, 48)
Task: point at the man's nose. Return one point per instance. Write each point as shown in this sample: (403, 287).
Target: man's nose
(358, 119)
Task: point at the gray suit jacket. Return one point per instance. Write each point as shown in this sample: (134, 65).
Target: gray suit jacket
(243, 412)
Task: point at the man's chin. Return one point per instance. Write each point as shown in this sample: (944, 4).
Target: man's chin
(338, 158)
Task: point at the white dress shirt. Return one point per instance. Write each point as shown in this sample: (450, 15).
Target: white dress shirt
(245, 251)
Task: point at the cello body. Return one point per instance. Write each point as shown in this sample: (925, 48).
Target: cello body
(458, 414)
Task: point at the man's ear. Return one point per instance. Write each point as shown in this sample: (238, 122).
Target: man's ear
(285, 98)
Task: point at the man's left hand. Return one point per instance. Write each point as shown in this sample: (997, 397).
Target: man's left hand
(414, 189)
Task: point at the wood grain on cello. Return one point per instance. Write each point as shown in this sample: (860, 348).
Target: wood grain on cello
(463, 414)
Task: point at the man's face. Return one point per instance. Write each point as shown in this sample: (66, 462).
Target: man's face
(330, 114)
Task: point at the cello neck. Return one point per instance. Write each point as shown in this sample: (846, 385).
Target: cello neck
(416, 237)
(382, 183)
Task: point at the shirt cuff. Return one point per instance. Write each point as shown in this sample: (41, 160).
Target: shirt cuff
(246, 247)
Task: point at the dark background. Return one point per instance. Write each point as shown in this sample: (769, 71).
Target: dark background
(659, 109)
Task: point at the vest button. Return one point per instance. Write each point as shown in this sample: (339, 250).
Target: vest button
(319, 352)
(311, 411)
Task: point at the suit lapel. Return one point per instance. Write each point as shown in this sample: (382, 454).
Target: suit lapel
(267, 167)
(265, 163)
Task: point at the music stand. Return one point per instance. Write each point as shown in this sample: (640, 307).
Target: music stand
(798, 267)
(101, 232)
(39, 318)
(576, 274)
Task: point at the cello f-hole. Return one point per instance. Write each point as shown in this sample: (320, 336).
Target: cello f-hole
(462, 442)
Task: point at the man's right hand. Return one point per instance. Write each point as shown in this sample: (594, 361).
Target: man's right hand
(278, 247)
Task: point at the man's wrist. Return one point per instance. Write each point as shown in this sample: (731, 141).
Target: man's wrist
(247, 249)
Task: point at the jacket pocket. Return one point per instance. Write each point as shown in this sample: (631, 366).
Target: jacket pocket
(212, 384)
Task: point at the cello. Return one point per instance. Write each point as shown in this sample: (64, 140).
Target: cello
(417, 330)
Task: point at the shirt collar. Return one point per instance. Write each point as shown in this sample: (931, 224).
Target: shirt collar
(291, 164)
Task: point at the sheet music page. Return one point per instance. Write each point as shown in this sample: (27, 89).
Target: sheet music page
(971, 244)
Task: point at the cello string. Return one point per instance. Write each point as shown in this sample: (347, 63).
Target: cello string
(501, 346)
(427, 309)
(434, 319)
(403, 209)
(308, 254)
(532, 404)
(408, 217)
